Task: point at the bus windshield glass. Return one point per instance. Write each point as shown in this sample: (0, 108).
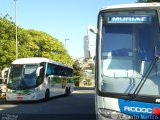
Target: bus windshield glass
(22, 76)
(129, 43)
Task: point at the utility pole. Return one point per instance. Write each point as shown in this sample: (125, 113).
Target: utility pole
(15, 12)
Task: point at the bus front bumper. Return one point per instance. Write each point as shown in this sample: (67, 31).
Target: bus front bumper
(16, 97)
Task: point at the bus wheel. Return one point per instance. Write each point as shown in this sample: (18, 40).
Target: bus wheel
(47, 95)
(68, 91)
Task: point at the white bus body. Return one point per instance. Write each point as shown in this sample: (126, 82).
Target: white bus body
(38, 78)
(127, 62)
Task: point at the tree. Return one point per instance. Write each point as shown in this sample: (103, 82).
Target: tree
(77, 73)
(31, 43)
(92, 67)
(7, 42)
(147, 1)
(44, 45)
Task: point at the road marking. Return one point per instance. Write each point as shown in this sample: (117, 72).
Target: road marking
(3, 107)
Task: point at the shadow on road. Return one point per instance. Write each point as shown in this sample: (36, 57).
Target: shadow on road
(84, 88)
(46, 117)
(77, 106)
(3, 101)
(77, 90)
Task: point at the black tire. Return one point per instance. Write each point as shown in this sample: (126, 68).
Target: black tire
(47, 95)
(68, 91)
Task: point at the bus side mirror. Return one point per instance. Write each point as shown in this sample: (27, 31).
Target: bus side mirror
(4, 75)
(38, 71)
(4, 71)
(88, 42)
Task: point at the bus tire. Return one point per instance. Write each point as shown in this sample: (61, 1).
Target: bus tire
(68, 91)
(47, 94)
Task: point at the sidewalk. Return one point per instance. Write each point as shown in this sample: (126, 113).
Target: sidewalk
(84, 90)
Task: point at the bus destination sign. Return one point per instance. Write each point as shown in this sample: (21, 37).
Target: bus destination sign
(129, 19)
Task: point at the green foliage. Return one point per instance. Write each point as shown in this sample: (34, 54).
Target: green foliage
(92, 67)
(31, 43)
(44, 45)
(147, 1)
(88, 82)
(7, 42)
(78, 72)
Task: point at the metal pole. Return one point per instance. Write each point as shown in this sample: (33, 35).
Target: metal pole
(16, 28)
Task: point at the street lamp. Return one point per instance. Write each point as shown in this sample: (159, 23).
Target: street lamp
(15, 12)
(65, 42)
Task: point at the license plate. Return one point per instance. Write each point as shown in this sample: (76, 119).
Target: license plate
(19, 98)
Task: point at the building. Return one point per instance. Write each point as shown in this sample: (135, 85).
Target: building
(88, 47)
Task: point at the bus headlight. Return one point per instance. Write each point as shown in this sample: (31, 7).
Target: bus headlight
(9, 91)
(105, 113)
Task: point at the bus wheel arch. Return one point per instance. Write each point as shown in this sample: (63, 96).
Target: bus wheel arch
(68, 91)
(47, 94)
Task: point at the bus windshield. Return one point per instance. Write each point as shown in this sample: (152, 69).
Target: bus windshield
(129, 43)
(22, 76)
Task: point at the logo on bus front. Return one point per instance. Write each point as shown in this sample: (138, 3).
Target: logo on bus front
(139, 109)
(154, 111)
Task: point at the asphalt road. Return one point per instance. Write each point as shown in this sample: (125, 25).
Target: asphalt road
(78, 106)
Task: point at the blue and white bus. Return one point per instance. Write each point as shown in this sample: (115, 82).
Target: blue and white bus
(127, 62)
(38, 78)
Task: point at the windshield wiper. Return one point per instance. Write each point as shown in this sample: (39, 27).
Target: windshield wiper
(144, 78)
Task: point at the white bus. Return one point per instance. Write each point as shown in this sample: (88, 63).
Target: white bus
(127, 62)
(38, 78)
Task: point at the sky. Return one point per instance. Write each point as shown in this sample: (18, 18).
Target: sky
(62, 19)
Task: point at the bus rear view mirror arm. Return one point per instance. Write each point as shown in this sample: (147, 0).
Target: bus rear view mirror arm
(92, 29)
(3, 72)
(38, 71)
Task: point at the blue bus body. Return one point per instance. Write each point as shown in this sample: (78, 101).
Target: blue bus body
(127, 62)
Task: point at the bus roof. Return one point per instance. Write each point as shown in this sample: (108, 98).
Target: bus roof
(36, 60)
(133, 5)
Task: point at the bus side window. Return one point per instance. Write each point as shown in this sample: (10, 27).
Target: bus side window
(63, 72)
(60, 71)
(50, 69)
(67, 72)
(70, 72)
(56, 70)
